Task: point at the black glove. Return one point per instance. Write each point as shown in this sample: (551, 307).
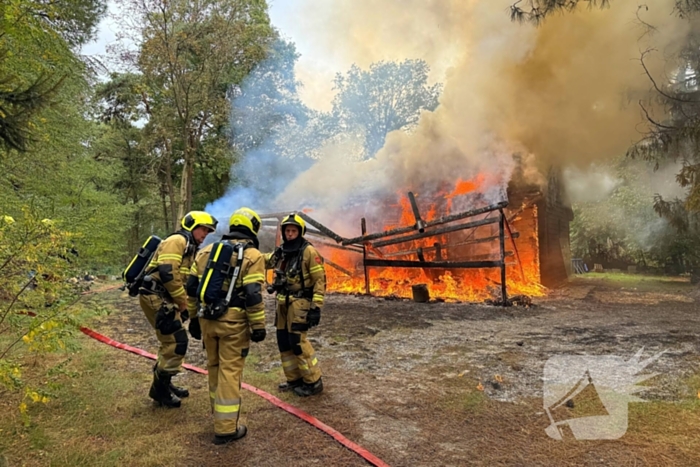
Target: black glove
(195, 329)
(258, 335)
(166, 322)
(313, 317)
(184, 315)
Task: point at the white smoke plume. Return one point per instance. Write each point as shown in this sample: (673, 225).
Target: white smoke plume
(565, 92)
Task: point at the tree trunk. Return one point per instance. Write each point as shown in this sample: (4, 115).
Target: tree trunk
(187, 173)
(169, 185)
(186, 187)
(166, 215)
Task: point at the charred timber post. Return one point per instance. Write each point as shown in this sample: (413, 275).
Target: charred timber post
(453, 228)
(363, 227)
(420, 224)
(321, 227)
(502, 244)
(442, 220)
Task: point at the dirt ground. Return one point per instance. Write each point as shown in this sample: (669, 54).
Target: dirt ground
(442, 384)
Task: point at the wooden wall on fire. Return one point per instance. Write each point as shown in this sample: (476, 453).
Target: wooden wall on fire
(543, 226)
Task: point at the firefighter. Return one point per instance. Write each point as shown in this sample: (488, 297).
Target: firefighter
(227, 334)
(164, 302)
(300, 283)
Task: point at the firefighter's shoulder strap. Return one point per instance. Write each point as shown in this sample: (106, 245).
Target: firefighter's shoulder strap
(190, 245)
(301, 265)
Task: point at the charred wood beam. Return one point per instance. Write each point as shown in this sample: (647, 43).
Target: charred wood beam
(453, 228)
(317, 233)
(386, 263)
(442, 220)
(275, 215)
(420, 223)
(472, 257)
(441, 247)
(351, 249)
(487, 256)
(322, 228)
(338, 267)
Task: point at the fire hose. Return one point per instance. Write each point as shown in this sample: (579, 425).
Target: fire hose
(364, 453)
(356, 448)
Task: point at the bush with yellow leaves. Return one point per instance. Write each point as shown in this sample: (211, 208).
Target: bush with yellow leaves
(37, 312)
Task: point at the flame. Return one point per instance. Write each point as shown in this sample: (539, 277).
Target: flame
(522, 270)
(462, 187)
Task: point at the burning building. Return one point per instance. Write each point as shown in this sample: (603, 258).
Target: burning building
(482, 250)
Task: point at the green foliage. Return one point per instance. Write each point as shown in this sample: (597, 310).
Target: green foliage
(190, 55)
(389, 96)
(535, 11)
(36, 297)
(625, 228)
(36, 58)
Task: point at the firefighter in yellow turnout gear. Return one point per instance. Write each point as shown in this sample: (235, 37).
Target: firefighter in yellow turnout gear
(164, 302)
(228, 328)
(300, 283)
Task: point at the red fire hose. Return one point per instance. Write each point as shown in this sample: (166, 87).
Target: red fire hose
(369, 457)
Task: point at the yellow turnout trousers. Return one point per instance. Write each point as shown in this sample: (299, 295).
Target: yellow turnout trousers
(297, 354)
(227, 344)
(173, 347)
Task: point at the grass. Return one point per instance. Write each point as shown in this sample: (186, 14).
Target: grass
(631, 278)
(98, 417)
(100, 414)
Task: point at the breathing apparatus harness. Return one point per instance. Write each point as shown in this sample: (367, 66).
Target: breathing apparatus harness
(288, 265)
(150, 286)
(214, 300)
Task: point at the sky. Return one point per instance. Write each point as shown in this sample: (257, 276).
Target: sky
(316, 67)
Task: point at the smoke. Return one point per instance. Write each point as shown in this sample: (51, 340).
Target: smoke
(591, 185)
(270, 126)
(565, 93)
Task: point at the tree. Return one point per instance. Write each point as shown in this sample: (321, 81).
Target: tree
(190, 54)
(37, 43)
(389, 96)
(124, 146)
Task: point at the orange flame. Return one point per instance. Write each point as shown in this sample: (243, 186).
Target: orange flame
(467, 245)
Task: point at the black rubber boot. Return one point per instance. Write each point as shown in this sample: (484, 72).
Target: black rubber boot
(307, 389)
(224, 439)
(290, 385)
(160, 390)
(179, 391)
